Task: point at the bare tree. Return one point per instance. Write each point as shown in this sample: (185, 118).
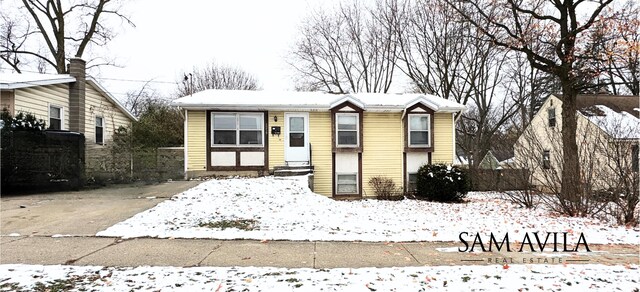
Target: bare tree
(216, 76)
(52, 20)
(350, 49)
(549, 33)
(616, 44)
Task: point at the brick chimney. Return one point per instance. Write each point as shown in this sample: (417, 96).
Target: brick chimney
(77, 68)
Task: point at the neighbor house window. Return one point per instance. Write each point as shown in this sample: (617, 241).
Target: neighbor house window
(635, 152)
(55, 117)
(237, 129)
(419, 130)
(546, 160)
(347, 183)
(552, 117)
(413, 182)
(99, 130)
(347, 130)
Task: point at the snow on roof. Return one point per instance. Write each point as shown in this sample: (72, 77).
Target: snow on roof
(619, 125)
(288, 100)
(22, 80)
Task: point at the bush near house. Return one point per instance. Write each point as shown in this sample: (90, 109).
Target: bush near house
(385, 188)
(442, 183)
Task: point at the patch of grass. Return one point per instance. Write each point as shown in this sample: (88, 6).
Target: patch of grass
(55, 285)
(292, 280)
(466, 279)
(242, 224)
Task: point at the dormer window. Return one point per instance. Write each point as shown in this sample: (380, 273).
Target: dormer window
(552, 117)
(347, 129)
(419, 125)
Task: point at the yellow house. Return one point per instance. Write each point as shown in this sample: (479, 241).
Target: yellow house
(343, 139)
(72, 102)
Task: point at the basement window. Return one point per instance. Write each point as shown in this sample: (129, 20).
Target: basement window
(347, 183)
(412, 184)
(55, 117)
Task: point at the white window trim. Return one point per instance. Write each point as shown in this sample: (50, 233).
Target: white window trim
(237, 129)
(357, 130)
(61, 115)
(347, 173)
(95, 135)
(428, 130)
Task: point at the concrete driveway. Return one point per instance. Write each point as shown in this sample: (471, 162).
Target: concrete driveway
(81, 213)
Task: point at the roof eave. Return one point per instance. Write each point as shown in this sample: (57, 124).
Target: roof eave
(108, 95)
(25, 84)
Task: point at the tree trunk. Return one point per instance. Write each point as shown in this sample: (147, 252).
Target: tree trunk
(571, 182)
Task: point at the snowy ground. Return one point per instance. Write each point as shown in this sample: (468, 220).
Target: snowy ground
(467, 278)
(285, 209)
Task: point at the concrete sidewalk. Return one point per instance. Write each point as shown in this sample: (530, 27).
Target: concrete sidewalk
(200, 252)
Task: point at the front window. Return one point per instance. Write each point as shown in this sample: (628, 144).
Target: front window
(552, 117)
(55, 117)
(99, 130)
(546, 159)
(235, 129)
(347, 130)
(347, 183)
(419, 126)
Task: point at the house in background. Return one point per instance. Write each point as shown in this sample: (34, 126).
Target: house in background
(608, 133)
(72, 102)
(489, 161)
(345, 139)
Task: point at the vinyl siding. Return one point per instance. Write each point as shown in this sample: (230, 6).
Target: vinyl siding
(196, 140)
(35, 100)
(320, 139)
(276, 143)
(98, 105)
(443, 138)
(383, 146)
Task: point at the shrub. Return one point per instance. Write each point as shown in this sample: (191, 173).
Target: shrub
(385, 188)
(442, 183)
(21, 121)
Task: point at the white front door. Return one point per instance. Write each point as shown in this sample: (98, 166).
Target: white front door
(296, 139)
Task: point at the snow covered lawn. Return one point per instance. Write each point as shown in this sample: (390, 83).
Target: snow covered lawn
(285, 209)
(466, 278)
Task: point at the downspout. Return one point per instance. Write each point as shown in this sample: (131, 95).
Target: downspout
(455, 122)
(186, 143)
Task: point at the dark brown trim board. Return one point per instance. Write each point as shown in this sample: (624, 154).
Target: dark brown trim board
(357, 110)
(405, 123)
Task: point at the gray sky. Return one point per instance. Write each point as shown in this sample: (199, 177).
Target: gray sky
(171, 37)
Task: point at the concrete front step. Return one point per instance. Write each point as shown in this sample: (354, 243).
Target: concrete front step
(292, 170)
(284, 167)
